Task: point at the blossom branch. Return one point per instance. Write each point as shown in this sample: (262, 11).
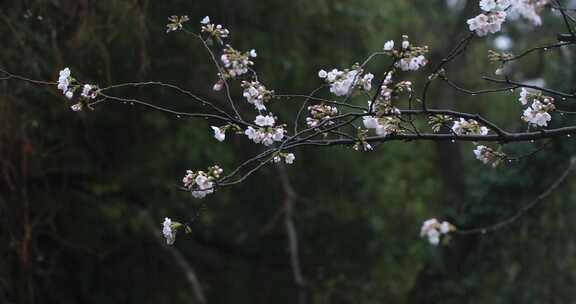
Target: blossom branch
(527, 207)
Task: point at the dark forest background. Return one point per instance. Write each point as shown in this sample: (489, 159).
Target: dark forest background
(83, 195)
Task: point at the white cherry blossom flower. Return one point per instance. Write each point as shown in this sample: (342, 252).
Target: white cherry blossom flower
(433, 230)
(405, 44)
(167, 231)
(201, 183)
(488, 156)
(389, 45)
(257, 94)
(265, 121)
(218, 86)
(370, 122)
(321, 113)
(289, 159)
(489, 23)
(219, 134)
(469, 127)
(77, 107)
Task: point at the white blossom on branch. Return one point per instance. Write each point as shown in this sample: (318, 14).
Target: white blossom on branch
(435, 231)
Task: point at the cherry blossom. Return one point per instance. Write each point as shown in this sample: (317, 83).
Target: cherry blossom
(343, 82)
(168, 232)
(77, 107)
(494, 5)
(89, 91)
(64, 81)
(201, 183)
(412, 64)
(389, 45)
(468, 127)
(411, 58)
(219, 134)
(266, 136)
(489, 23)
(529, 9)
(257, 94)
(218, 86)
(205, 20)
(524, 94)
(235, 62)
(215, 31)
(433, 230)
(537, 113)
(265, 121)
(488, 156)
(288, 158)
(320, 113)
(382, 126)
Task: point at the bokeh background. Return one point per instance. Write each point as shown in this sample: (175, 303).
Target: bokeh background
(83, 195)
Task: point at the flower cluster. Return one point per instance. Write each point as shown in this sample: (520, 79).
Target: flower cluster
(64, 81)
(257, 94)
(537, 113)
(89, 91)
(488, 156)
(320, 113)
(176, 23)
(201, 183)
(484, 24)
(468, 127)
(494, 5)
(219, 133)
(529, 9)
(388, 92)
(383, 126)
(215, 31)
(362, 144)
(288, 158)
(267, 133)
(495, 13)
(343, 82)
(235, 62)
(68, 86)
(387, 119)
(434, 230)
(409, 57)
(389, 46)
